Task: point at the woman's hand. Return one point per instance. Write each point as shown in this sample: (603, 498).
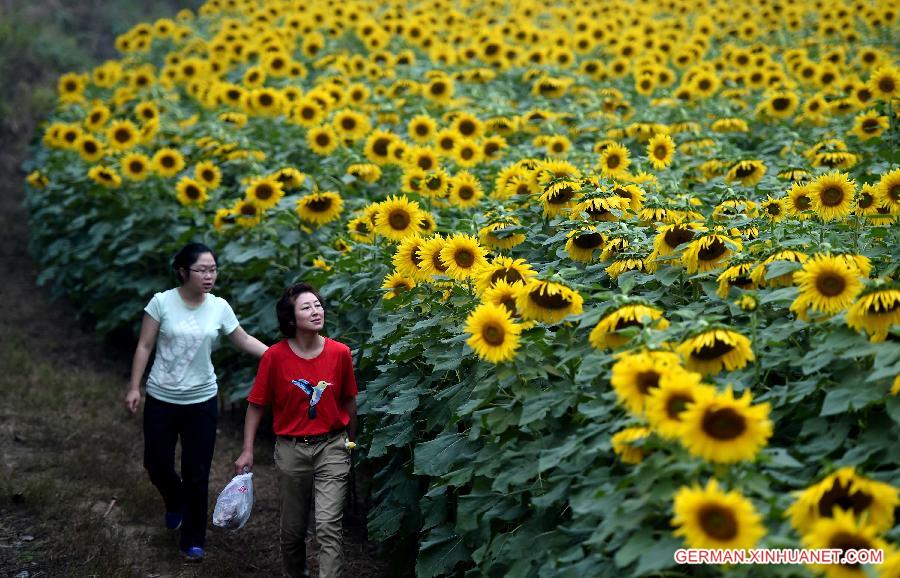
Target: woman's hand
(132, 400)
(245, 460)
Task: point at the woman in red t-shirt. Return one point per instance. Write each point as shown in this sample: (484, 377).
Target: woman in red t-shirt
(308, 380)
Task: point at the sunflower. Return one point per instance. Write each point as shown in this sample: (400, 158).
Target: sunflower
(435, 183)
(406, 259)
(614, 160)
(712, 518)
(350, 124)
(748, 172)
(97, 117)
(712, 350)
(708, 252)
(322, 140)
(167, 162)
(548, 301)
(606, 333)
(725, 125)
(826, 283)
(843, 532)
(397, 217)
(37, 179)
(135, 166)
(889, 190)
(306, 112)
(430, 256)
(660, 150)
(799, 200)
(550, 171)
(735, 276)
(875, 312)
(722, 429)
(670, 237)
(208, 174)
(361, 230)
(869, 125)
(494, 335)
(463, 256)
(831, 195)
(780, 105)
(465, 190)
(583, 243)
(421, 128)
(468, 125)
(427, 224)
(422, 158)
(885, 83)
(90, 149)
(122, 135)
(445, 141)
(497, 235)
(289, 177)
(760, 274)
(634, 375)
(439, 90)
(623, 444)
(773, 209)
(366, 172)
(105, 176)
(665, 403)
(845, 491)
(265, 192)
(319, 208)
(246, 213)
(514, 272)
(191, 192)
(559, 197)
(377, 147)
(396, 283)
(466, 152)
(623, 263)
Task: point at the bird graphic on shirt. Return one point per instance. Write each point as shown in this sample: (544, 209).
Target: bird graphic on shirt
(314, 393)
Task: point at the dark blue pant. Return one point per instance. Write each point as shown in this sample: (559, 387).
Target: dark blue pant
(195, 424)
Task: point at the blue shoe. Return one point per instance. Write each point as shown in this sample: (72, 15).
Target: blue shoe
(173, 520)
(194, 554)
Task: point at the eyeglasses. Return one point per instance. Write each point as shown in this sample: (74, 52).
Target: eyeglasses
(204, 272)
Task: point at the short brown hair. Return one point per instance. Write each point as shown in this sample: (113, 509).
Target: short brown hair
(284, 309)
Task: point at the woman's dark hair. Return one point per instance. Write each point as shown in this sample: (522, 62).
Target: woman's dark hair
(284, 309)
(187, 256)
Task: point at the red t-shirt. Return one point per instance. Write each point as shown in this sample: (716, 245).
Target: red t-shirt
(331, 369)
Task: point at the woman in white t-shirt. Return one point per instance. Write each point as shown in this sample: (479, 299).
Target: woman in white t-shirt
(184, 324)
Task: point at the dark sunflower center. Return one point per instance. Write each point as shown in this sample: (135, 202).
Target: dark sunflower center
(839, 495)
(847, 541)
(887, 85)
(781, 103)
(266, 99)
(561, 196)
(832, 196)
(467, 128)
(647, 380)
(718, 522)
(865, 201)
(438, 88)
(208, 175)
(714, 351)
(712, 251)
(136, 167)
(348, 123)
(167, 161)
(741, 281)
(323, 139)
(676, 404)
(414, 256)
(437, 263)
(421, 129)
(773, 209)
(660, 152)
(493, 334)
(192, 192)
(466, 153)
(546, 301)
(464, 258)
(380, 146)
(802, 202)
(509, 275)
(626, 323)
(308, 112)
(677, 236)
(425, 163)
(122, 135)
(248, 210)
(319, 205)
(465, 192)
(830, 284)
(90, 146)
(894, 192)
(704, 84)
(265, 192)
(613, 160)
(870, 125)
(588, 241)
(724, 424)
(491, 148)
(745, 170)
(399, 220)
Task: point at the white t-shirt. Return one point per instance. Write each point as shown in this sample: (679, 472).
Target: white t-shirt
(182, 371)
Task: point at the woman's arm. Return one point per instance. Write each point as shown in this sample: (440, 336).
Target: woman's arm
(350, 408)
(251, 424)
(146, 342)
(247, 343)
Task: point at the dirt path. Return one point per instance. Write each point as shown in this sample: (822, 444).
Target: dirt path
(74, 499)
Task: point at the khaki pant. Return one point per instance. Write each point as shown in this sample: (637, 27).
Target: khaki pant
(321, 469)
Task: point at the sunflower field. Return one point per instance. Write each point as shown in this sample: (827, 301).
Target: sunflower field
(619, 277)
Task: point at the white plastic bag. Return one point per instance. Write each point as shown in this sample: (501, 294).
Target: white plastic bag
(235, 502)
